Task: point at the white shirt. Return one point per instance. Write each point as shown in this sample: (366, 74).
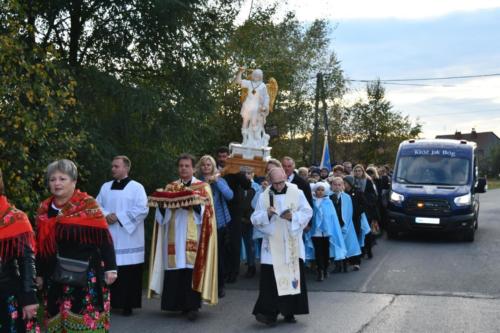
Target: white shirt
(131, 207)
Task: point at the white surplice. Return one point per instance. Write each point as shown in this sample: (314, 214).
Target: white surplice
(181, 219)
(131, 207)
(282, 245)
(300, 217)
(160, 263)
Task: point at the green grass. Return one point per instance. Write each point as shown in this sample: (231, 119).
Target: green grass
(493, 184)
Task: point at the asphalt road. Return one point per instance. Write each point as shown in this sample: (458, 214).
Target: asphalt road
(417, 283)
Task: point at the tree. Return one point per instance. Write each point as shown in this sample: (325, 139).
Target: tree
(375, 129)
(490, 166)
(292, 54)
(37, 112)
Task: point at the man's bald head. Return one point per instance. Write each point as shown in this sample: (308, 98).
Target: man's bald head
(276, 174)
(277, 177)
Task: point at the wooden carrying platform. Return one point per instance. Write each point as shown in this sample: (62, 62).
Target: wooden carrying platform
(237, 163)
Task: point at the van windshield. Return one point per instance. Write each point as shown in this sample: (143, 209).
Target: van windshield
(433, 170)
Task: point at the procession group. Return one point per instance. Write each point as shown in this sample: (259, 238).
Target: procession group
(86, 256)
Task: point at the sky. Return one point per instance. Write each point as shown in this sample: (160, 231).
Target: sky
(390, 39)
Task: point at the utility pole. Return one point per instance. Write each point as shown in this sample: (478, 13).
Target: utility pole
(250, 11)
(325, 115)
(319, 85)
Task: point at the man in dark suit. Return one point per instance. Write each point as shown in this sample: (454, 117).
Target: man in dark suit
(239, 183)
(289, 166)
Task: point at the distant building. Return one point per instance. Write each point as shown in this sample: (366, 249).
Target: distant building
(485, 141)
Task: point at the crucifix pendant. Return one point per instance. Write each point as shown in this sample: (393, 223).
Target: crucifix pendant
(253, 91)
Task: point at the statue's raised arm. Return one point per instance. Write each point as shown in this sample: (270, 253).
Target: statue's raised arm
(239, 73)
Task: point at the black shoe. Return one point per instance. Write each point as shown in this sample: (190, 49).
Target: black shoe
(320, 276)
(222, 293)
(344, 266)
(268, 320)
(290, 319)
(325, 274)
(127, 312)
(356, 267)
(192, 315)
(370, 254)
(250, 272)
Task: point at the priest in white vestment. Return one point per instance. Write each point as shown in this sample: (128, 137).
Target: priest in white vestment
(125, 205)
(185, 263)
(281, 214)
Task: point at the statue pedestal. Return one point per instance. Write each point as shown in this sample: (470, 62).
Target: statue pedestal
(250, 153)
(247, 158)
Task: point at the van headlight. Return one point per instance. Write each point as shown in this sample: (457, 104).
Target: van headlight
(464, 200)
(396, 197)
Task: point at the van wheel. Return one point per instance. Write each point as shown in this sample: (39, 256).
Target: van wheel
(392, 234)
(469, 235)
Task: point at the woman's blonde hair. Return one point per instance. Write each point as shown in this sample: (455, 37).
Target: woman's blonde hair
(202, 160)
(374, 170)
(359, 166)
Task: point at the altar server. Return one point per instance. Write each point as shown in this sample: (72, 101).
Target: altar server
(125, 205)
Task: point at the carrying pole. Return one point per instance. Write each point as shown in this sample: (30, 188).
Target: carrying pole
(152, 257)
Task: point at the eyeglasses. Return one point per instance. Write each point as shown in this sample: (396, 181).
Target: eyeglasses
(279, 183)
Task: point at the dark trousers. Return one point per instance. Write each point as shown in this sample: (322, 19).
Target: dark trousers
(221, 249)
(232, 260)
(321, 252)
(369, 240)
(247, 234)
(355, 260)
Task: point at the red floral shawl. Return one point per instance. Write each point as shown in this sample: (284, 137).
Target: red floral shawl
(15, 231)
(82, 212)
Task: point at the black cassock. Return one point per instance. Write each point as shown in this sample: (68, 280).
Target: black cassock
(126, 291)
(178, 293)
(270, 304)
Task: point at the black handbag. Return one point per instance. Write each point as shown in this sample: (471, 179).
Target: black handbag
(71, 272)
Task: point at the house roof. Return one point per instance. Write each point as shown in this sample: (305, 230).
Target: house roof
(484, 140)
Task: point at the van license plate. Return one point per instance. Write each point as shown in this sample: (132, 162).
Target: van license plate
(427, 220)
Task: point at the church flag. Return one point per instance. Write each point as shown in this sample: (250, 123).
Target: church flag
(325, 157)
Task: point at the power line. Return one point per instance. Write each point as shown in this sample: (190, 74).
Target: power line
(405, 84)
(431, 78)
(473, 113)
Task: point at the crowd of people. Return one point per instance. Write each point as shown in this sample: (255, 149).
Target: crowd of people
(86, 256)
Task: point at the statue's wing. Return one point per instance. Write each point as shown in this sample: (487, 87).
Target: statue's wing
(272, 90)
(243, 94)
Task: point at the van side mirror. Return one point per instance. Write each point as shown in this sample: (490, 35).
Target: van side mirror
(482, 185)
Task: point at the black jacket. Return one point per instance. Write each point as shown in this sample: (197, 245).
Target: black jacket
(238, 182)
(304, 186)
(17, 277)
(369, 201)
(358, 208)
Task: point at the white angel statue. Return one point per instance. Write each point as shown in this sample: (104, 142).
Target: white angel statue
(257, 102)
